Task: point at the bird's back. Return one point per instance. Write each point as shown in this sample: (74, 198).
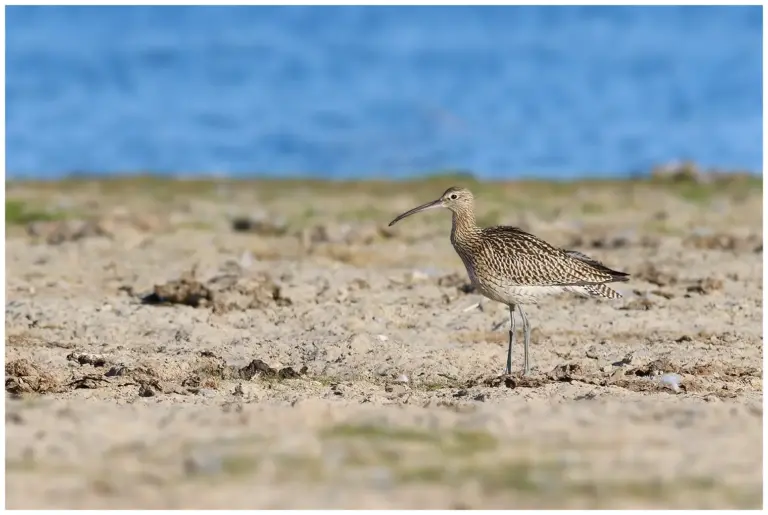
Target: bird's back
(511, 265)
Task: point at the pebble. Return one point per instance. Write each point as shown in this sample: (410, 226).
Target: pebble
(246, 259)
(418, 275)
(200, 463)
(207, 392)
(671, 381)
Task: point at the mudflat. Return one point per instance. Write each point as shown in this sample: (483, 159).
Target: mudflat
(273, 344)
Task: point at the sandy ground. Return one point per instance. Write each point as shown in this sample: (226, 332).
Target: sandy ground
(158, 358)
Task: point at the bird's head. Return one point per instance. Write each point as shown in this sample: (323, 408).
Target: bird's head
(456, 199)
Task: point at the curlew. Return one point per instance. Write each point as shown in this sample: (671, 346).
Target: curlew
(514, 267)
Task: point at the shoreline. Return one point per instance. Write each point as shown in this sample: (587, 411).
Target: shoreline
(661, 171)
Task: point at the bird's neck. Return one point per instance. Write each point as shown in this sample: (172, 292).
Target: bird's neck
(464, 228)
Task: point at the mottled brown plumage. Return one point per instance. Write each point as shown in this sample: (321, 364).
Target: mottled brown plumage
(514, 267)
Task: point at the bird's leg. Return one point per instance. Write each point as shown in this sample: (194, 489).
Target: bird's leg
(526, 340)
(511, 338)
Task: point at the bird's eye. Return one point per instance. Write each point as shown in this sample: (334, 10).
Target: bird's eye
(454, 196)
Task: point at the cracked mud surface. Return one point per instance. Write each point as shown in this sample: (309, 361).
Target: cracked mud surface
(267, 345)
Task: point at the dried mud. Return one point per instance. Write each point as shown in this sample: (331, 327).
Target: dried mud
(201, 344)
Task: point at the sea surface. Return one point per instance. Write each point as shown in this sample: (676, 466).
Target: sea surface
(342, 92)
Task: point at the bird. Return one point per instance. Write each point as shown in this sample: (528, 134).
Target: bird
(511, 266)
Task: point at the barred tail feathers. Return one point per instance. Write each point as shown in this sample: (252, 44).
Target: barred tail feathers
(602, 290)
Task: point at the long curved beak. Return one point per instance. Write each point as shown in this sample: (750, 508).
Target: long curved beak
(423, 207)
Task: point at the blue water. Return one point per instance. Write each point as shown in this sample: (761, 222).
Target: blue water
(551, 92)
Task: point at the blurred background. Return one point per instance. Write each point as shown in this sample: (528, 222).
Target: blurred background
(355, 92)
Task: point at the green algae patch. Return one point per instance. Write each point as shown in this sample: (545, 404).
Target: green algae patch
(18, 212)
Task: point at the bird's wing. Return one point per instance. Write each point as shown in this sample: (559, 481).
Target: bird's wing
(615, 274)
(523, 258)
